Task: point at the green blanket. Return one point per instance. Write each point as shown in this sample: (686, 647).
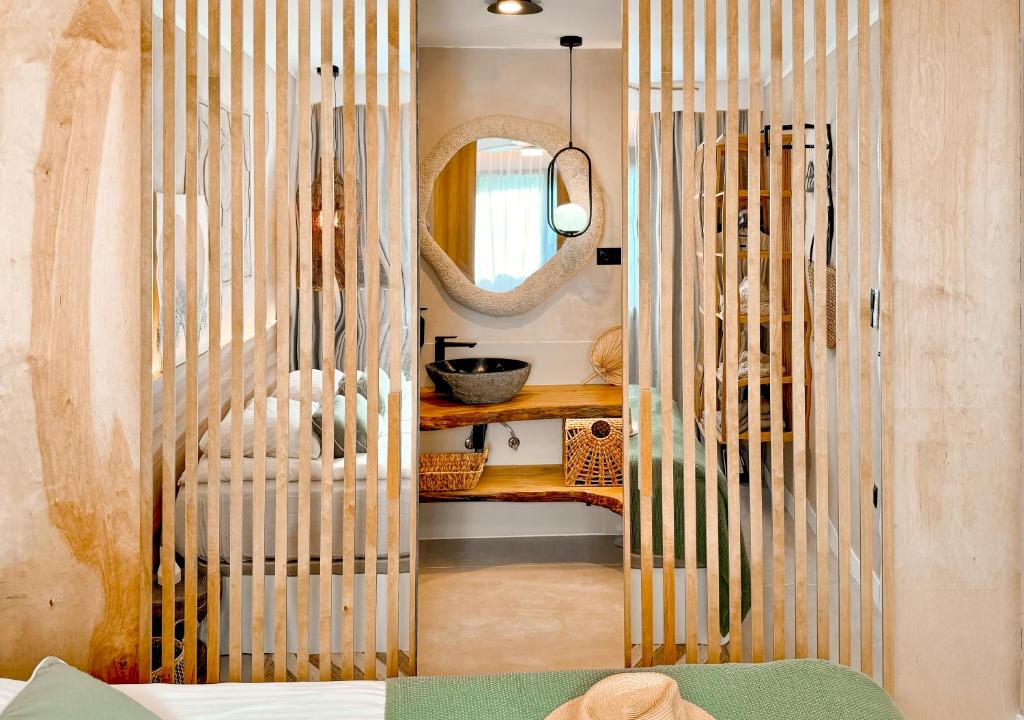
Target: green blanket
(723, 508)
(786, 690)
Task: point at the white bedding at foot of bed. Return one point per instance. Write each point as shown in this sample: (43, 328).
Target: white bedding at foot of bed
(358, 700)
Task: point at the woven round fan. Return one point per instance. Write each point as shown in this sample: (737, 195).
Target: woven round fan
(606, 356)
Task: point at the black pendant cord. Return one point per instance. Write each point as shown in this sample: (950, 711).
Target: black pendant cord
(570, 96)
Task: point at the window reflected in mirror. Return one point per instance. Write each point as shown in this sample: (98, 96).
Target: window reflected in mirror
(488, 212)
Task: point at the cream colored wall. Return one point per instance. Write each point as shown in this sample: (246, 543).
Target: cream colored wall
(456, 85)
(957, 129)
(69, 335)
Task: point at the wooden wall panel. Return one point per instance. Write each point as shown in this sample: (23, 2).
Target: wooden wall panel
(69, 418)
(952, 492)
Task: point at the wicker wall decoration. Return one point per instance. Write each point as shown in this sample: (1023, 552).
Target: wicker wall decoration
(592, 452)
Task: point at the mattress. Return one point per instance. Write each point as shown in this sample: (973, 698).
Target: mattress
(356, 700)
(222, 466)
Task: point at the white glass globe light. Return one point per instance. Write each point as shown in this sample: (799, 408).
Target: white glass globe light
(570, 218)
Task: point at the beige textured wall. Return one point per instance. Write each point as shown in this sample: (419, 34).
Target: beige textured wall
(69, 335)
(456, 85)
(957, 250)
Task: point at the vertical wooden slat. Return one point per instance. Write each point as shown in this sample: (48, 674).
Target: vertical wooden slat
(844, 403)
(666, 366)
(237, 343)
(372, 343)
(213, 401)
(864, 254)
(414, 340)
(775, 314)
(394, 483)
(259, 247)
(688, 345)
(627, 558)
(798, 293)
(348, 524)
(886, 315)
(327, 314)
(146, 508)
(710, 334)
(754, 333)
(820, 358)
(281, 305)
(644, 362)
(732, 330)
(191, 329)
(302, 611)
(167, 475)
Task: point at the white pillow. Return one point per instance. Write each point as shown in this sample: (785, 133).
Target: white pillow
(295, 380)
(248, 432)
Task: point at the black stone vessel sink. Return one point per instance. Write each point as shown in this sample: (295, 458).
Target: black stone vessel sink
(479, 381)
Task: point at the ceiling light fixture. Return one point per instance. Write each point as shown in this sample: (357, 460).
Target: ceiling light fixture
(569, 219)
(514, 7)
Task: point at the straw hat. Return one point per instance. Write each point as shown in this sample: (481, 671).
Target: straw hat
(631, 696)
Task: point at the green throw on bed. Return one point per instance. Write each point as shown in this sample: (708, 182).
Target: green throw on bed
(786, 690)
(723, 508)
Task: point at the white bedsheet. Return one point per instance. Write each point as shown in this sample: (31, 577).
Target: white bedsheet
(358, 700)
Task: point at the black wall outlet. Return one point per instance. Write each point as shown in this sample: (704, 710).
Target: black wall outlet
(609, 256)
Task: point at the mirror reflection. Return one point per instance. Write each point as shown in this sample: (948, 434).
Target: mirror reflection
(488, 212)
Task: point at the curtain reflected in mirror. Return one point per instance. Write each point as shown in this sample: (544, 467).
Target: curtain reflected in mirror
(487, 212)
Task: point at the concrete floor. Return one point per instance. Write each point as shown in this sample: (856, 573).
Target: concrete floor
(503, 605)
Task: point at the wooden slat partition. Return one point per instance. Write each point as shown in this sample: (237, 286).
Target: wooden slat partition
(213, 584)
(146, 338)
(167, 340)
(627, 555)
(191, 570)
(665, 333)
(302, 612)
(348, 523)
(888, 336)
(270, 245)
(710, 305)
(327, 314)
(844, 403)
(688, 345)
(798, 293)
(792, 332)
(865, 487)
(283, 281)
(395, 350)
(259, 205)
(730, 410)
(821, 472)
(644, 361)
(414, 341)
(775, 313)
(372, 343)
(235, 513)
(754, 150)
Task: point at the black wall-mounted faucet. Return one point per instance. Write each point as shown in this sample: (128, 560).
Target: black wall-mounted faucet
(441, 344)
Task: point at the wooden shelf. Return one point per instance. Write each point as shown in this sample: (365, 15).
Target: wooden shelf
(534, 402)
(529, 483)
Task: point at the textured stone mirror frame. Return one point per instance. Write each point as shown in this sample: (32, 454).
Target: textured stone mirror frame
(575, 252)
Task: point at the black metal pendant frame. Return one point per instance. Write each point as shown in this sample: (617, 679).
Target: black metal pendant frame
(553, 191)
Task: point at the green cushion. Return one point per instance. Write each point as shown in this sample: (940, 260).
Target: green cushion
(362, 411)
(57, 691)
(383, 388)
(786, 690)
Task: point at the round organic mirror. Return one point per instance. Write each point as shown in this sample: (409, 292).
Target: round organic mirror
(483, 214)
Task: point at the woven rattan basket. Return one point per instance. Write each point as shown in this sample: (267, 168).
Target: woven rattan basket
(592, 452)
(178, 673)
(445, 472)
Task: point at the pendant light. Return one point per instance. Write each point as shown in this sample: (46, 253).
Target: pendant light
(569, 219)
(514, 7)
